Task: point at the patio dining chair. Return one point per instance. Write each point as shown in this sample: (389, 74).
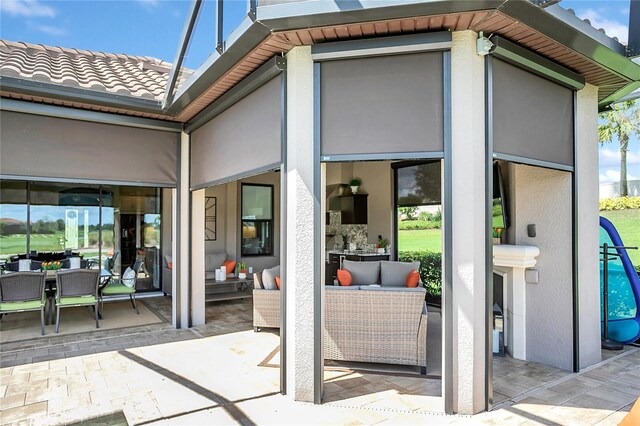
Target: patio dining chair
(23, 292)
(77, 287)
(125, 285)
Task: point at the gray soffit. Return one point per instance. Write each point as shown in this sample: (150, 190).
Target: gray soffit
(531, 61)
(255, 80)
(72, 94)
(86, 115)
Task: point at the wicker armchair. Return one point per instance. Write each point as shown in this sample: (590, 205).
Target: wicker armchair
(266, 306)
(22, 292)
(77, 287)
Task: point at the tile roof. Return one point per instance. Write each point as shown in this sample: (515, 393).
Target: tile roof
(137, 76)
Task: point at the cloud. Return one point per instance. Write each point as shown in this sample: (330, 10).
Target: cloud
(26, 8)
(149, 4)
(612, 28)
(610, 175)
(48, 29)
(611, 157)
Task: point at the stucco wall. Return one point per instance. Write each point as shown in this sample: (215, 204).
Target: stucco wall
(543, 197)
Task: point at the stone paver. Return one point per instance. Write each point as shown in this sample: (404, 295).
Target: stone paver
(225, 375)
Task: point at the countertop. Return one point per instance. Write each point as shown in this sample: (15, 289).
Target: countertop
(353, 253)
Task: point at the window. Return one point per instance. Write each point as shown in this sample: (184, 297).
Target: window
(257, 220)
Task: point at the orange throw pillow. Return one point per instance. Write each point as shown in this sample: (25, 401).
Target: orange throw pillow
(413, 278)
(170, 265)
(344, 277)
(230, 265)
(278, 282)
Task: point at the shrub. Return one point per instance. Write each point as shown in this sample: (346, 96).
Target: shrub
(413, 225)
(430, 269)
(620, 203)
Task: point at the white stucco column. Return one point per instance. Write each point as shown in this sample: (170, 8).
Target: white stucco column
(300, 202)
(197, 258)
(588, 225)
(181, 278)
(468, 223)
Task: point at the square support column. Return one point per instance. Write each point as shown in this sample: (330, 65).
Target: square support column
(302, 338)
(468, 251)
(181, 253)
(588, 225)
(197, 258)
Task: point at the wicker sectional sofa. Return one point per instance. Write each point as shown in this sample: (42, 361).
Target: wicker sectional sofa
(376, 324)
(379, 322)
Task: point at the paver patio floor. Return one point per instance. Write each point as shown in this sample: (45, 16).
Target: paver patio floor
(214, 374)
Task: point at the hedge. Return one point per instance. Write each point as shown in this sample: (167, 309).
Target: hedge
(430, 269)
(620, 203)
(414, 225)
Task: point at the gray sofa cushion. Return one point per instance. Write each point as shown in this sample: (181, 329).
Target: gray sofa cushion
(213, 261)
(269, 278)
(362, 273)
(395, 273)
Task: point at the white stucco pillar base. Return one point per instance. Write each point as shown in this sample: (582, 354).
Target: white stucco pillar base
(300, 201)
(468, 224)
(511, 261)
(588, 225)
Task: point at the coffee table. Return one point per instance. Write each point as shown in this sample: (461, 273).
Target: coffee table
(229, 289)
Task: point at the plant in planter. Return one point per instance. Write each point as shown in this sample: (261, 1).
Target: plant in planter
(354, 184)
(497, 235)
(51, 266)
(242, 270)
(381, 244)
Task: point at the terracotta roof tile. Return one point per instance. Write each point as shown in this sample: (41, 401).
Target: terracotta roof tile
(121, 74)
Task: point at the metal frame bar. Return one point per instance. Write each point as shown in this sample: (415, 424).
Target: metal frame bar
(383, 46)
(187, 31)
(488, 128)
(318, 285)
(447, 291)
(534, 63)
(283, 234)
(91, 116)
(575, 294)
(87, 181)
(251, 83)
(238, 176)
(219, 23)
(377, 157)
(532, 162)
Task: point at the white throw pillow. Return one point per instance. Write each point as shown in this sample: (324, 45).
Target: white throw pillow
(129, 278)
(269, 278)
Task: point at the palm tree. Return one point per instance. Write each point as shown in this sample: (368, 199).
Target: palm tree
(621, 121)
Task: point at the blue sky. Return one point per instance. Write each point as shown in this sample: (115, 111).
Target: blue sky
(153, 27)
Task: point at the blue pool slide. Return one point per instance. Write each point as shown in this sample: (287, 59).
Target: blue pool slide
(624, 290)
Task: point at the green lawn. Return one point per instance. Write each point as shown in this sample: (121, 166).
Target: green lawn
(627, 222)
(424, 239)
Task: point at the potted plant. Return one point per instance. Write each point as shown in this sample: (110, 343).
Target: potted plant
(497, 235)
(382, 244)
(242, 270)
(354, 184)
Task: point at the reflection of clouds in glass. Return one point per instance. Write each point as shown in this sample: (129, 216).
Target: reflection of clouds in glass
(406, 181)
(13, 211)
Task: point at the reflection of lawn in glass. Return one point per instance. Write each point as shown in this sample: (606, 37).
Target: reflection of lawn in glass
(423, 239)
(15, 244)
